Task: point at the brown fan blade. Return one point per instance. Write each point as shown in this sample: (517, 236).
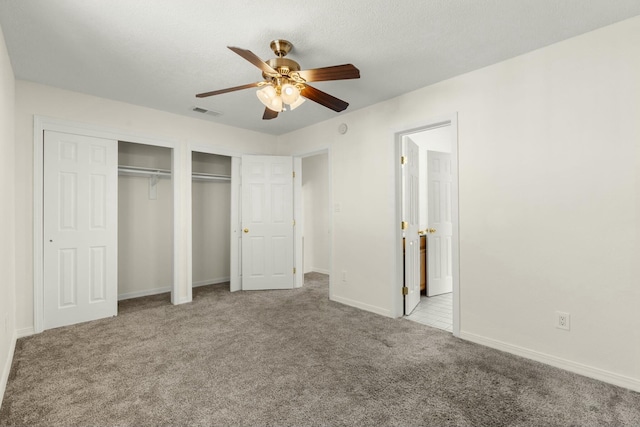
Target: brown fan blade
(253, 58)
(269, 114)
(230, 89)
(337, 72)
(324, 98)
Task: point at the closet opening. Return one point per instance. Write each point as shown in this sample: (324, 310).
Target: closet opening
(211, 221)
(145, 221)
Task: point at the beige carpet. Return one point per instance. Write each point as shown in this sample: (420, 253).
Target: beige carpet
(287, 358)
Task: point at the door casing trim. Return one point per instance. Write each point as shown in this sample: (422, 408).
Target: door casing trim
(396, 285)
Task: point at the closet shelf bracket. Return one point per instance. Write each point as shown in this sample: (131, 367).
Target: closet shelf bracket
(153, 187)
(153, 174)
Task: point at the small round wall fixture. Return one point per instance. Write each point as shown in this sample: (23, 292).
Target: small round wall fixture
(343, 128)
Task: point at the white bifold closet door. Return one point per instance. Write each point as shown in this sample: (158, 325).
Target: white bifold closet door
(80, 228)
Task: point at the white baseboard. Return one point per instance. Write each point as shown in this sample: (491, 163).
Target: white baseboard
(320, 270)
(25, 332)
(362, 306)
(558, 362)
(155, 291)
(6, 369)
(210, 282)
(143, 293)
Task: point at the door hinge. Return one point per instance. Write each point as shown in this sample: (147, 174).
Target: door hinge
(294, 222)
(294, 174)
(294, 270)
(403, 160)
(404, 225)
(405, 290)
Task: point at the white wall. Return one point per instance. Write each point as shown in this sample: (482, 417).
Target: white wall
(211, 232)
(7, 216)
(145, 237)
(549, 200)
(32, 98)
(315, 194)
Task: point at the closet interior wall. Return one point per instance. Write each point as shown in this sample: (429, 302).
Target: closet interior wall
(145, 220)
(211, 218)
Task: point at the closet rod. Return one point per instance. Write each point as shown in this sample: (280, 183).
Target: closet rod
(210, 177)
(135, 170)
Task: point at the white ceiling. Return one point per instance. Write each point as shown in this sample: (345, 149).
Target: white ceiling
(160, 53)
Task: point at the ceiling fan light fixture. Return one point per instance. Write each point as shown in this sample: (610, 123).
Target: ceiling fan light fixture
(289, 93)
(296, 104)
(266, 95)
(276, 104)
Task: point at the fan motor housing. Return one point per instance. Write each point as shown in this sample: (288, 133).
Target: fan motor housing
(283, 66)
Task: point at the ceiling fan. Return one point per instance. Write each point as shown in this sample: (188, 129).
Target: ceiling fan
(286, 84)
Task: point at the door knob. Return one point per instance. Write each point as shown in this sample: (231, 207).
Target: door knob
(431, 230)
(421, 232)
(246, 230)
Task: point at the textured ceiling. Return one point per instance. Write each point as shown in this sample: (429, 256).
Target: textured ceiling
(160, 53)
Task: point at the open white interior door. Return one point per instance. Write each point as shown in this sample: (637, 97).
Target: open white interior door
(411, 218)
(439, 250)
(267, 222)
(80, 229)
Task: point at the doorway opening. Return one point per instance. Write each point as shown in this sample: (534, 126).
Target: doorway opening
(314, 217)
(315, 202)
(431, 265)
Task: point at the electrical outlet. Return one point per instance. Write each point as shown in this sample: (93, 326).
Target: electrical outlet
(563, 320)
(344, 276)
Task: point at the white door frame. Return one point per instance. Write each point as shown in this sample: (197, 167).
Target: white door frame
(235, 278)
(298, 215)
(396, 288)
(40, 124)
(298, 229)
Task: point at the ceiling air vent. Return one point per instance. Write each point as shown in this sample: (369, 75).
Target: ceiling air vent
(205, 111)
